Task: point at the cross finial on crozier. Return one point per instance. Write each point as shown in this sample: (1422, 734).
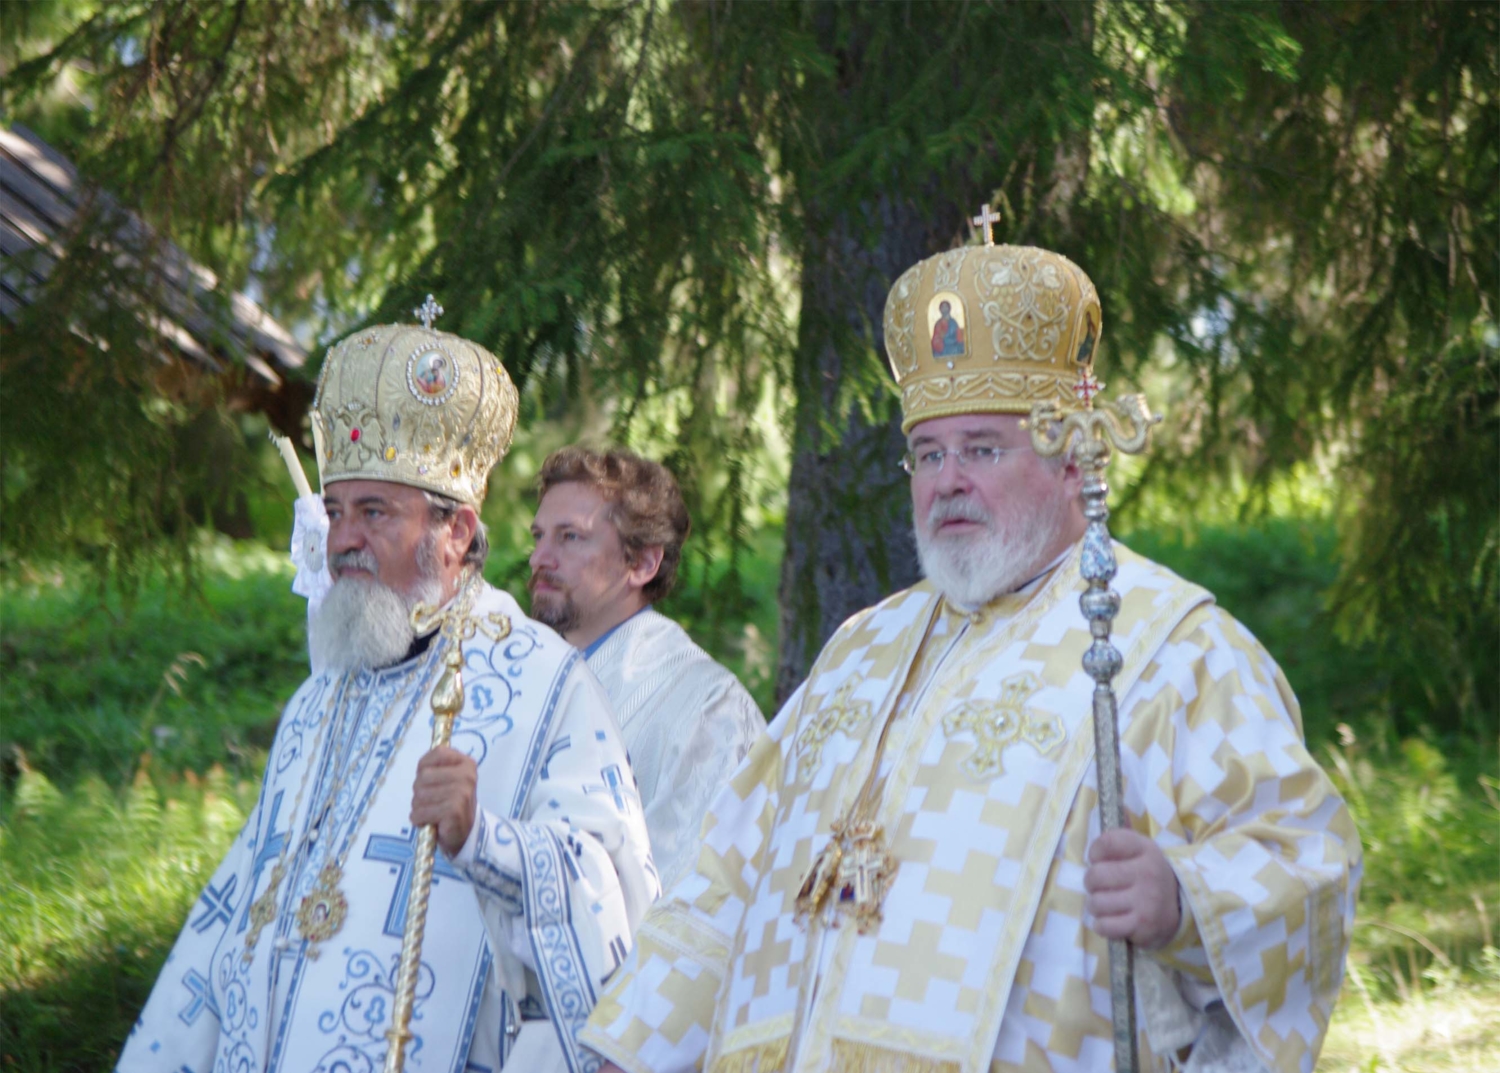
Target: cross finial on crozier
(428, 312)
(1086, 388)
(986, 221)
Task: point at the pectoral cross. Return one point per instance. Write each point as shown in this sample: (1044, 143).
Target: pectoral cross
(853, 862)
(865, 874)
(985, 221)
(428, 312)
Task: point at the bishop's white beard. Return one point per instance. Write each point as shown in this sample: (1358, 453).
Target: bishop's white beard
(363, 623)
(972, 570)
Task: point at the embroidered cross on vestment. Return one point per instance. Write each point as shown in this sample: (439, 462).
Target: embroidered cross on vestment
(839, 713)
(998, 724)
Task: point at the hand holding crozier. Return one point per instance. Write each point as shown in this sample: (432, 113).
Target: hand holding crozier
(1132, 890)
(444, 796)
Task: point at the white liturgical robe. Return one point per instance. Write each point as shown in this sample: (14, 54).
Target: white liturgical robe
(687, 724)
(536, 910)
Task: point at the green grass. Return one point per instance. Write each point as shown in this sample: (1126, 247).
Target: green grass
(107, 833)
(1453, 1029)
(196, 680)
(98, 881)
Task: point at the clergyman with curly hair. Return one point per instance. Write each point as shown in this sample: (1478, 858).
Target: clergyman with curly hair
(608, 537)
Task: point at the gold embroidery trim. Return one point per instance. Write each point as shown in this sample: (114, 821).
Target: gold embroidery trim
(843, 714)
(998, 724)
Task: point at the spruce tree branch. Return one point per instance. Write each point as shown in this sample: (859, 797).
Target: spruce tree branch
(560, 94)
(183, 120)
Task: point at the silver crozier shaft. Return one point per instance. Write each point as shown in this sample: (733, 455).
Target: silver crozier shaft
(1091, 433)
(1102, 662)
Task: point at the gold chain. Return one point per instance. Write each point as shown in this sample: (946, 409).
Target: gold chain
(321, 912)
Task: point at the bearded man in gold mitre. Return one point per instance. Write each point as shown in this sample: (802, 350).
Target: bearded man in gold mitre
(908, 875)
(288, 959)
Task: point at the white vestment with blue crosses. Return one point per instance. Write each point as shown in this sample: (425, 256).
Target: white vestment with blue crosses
(536, 910)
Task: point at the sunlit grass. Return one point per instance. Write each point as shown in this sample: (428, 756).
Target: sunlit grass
(1443, 1030)
(97, 884)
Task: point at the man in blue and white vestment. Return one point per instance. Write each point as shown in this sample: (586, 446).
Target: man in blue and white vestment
(288, 959)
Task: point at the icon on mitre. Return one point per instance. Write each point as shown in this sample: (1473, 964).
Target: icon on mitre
(945, 318)
(431, 373)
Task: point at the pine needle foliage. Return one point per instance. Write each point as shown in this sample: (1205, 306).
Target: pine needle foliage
(1291, 212)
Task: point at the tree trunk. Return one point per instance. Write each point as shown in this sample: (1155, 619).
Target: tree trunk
(848, 525)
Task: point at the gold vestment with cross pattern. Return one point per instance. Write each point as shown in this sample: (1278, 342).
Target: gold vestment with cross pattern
(982, 959)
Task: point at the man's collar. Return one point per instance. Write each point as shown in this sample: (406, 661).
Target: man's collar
(423, 642)
(598, 642)
(419, 645)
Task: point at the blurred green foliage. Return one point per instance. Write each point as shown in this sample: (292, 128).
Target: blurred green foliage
(1430, 826)
(195, 678)
(671, 211)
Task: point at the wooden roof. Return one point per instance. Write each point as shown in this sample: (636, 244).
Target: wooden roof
(40, 194)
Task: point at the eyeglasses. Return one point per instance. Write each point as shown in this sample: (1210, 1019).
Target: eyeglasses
(928, 462)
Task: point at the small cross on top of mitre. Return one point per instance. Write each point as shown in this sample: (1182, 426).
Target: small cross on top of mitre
(986, 221)
(428, 312)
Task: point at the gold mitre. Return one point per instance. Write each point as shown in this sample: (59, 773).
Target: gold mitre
(407, 403)
(991, 329)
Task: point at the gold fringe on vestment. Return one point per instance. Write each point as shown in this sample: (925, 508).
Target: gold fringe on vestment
(848, 1057)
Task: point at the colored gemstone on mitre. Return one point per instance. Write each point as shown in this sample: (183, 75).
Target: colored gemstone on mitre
(404, 409)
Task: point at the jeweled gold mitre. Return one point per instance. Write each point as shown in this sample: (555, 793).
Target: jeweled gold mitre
(990, 329)
(407, 403)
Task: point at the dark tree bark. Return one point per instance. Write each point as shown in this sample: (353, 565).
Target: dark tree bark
(848, 526)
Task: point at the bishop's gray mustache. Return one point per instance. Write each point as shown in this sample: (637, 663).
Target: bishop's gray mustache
(357, 559)
(956, 509)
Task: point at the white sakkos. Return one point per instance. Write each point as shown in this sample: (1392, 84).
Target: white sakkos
(529, 918)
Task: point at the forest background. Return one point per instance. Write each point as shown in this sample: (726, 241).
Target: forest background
(676, 224)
